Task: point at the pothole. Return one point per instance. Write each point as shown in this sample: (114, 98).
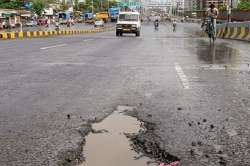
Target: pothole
(120, 140)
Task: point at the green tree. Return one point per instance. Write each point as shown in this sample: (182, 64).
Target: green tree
(38, 6)
(52, 1)
(87, 5)
(113, 3)
(11, 4)
(76, 4)
(64, 5)
(244, 5)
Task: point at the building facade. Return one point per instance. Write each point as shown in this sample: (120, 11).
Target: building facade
(191, 5)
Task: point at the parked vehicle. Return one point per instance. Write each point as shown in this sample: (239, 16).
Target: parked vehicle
(128, 22)
(99, 23)
(64, 17)
(42, 21)
(113, 13)
(102, 16)
(31, 23)
(88, 18)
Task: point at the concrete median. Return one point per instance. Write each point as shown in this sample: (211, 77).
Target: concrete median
(237, 31)
(36, 34)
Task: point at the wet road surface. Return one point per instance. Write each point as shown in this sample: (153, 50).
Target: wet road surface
(196, 96)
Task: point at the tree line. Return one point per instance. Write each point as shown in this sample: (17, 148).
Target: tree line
(39, 5)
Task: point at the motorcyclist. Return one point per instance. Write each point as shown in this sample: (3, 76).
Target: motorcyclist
(57, 26)
(156, 23)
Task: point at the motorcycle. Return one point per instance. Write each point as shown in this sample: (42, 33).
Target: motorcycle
(156, 24)
(57, 27)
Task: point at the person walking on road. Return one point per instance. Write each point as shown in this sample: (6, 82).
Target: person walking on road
(174, 25)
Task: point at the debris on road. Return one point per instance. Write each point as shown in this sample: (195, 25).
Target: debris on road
(171, 164)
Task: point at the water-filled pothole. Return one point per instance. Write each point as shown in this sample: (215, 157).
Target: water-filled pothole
(117, 140)
(217, 54)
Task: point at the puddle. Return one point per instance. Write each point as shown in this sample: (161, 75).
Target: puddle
(115, 142)
(217, 54)
(111, 147)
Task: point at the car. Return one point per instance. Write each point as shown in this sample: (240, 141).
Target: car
(128, 22)
(99, 23)
(31, 23)
(90, 21)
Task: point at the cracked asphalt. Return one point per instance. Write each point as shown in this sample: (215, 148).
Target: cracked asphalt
(196, 94)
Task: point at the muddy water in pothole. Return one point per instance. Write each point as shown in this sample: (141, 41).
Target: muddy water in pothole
(217, 54)
(110, 146)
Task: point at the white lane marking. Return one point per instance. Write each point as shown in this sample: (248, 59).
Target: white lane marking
(88, 40)
(182, 76)
(65, 63)
(49, 47)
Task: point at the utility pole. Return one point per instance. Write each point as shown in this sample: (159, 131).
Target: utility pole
(92, 6)
(101, 4)
(229, 10)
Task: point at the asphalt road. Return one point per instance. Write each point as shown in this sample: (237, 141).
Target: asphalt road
(198, 95)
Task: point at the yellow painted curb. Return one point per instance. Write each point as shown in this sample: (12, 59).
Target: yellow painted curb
(12, 35)
(221, 32)
(4, 35)
(20, 34)
(234, 35)
(248, 37)
(228, 32)
(35, 34)
(40, 33)
(28, 34)
(242, 33)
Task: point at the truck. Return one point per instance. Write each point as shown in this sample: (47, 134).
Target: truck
(88, 17)
(64, 17)
(102, 16)
(113, 13)
(128, 22)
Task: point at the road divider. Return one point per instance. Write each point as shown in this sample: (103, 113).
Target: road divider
(36, 34)
(236, 31)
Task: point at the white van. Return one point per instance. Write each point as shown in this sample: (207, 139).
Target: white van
(128, 22)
